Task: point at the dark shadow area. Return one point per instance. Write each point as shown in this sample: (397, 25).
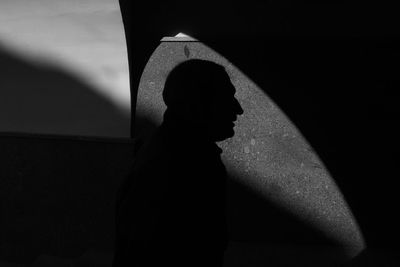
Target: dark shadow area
(332, 74)
(253, 219)
(375, 256)
(57, 195)
(144, 129)
(173, 198)
(48, 100)
(283, 240)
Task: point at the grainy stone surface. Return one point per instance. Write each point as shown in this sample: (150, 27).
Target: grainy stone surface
(267, 152)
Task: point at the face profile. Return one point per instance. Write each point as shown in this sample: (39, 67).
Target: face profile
(225, 110)
(200, 96)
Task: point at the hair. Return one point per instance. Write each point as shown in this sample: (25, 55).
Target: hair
(192, 82)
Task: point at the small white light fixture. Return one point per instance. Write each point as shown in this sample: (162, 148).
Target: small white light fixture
(180, 37)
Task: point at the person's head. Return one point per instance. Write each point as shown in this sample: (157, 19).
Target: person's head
(200, 93)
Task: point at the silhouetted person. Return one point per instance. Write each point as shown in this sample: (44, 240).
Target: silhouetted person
(171, 209)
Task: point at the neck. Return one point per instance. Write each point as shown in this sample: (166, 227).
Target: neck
(186, 126)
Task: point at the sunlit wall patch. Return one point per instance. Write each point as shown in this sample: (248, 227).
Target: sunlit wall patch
(267, 153)
(66, 68)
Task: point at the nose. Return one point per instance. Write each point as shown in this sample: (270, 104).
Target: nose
(238, 108)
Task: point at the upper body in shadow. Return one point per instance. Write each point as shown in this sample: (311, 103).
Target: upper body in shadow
(172, 206)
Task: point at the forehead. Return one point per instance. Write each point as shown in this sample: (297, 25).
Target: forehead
(225, 85)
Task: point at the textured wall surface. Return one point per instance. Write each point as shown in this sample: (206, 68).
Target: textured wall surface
(267, 154)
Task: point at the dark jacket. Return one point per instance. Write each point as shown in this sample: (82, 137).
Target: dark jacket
(171, 208)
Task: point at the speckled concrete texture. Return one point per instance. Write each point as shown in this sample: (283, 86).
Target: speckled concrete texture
(267, 152)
